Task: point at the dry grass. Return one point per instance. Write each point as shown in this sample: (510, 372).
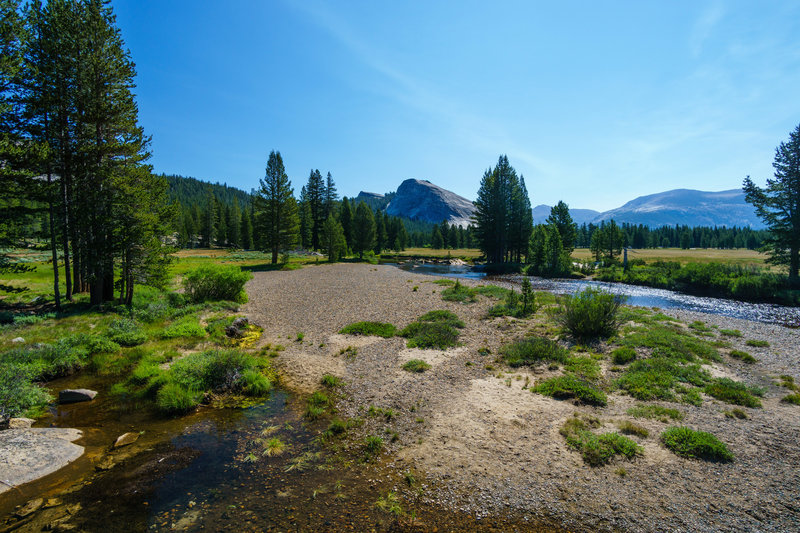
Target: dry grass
(693, 255)
(469, 253)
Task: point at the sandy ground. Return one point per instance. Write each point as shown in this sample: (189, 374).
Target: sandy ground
(491, 446)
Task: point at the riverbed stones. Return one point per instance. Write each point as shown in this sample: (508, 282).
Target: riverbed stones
(20, 423)
(29, 508)
(76, 395)
(27, 454)
(125, 439)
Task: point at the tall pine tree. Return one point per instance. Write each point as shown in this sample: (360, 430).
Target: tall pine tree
(276, 208)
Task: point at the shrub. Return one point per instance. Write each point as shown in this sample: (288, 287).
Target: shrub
(569, 386)
(416, 365)
(126, 332)
(330, 381)
(373, 445)
(590, 314)
(792, 398)
(623, 355)
(377, 329)
(217, 370)
(18, 392)
(458, 293)
(435, 329)
(687, 442)
(254, 383)
(734, 392)
(173, 398)
(188, 326)
(744, 356)
(629, 428)
(730, 332)
(532, 350)
(757, 343)
(656, 412)
(597, 449)
(216, 282)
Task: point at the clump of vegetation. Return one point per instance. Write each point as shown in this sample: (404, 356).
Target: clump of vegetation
(734, 392)
(517, 305)
(212, 282)
(730, 332)
(458, 293)
(390, 504)
(629, 428)
(693, 444)
(435, 329)
(792, 398)
(373, 445)
(664, 414)
(788, 382)
(623, 355)
(583, 367)
(300, 336)
(744, 356)
(187, 326)
(597, 449)
(590, 314)
(330, 381)
(274, 446)
(533, 350)
(416, 365)
(173, 398)
(657, 377)
(376, 329)
(317, 404)
(737, 413)
(757, 343)
(669, 341)
(126, 332)
(570, 386)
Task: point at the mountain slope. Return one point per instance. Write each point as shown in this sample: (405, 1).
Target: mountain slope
(422, 200)
(579, 216)
(686, 207)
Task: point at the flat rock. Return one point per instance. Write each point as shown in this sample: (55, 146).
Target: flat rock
(29, 508)
(76, 395)
(30, 453)
(126, 439)
(17, 340)
(20, 423)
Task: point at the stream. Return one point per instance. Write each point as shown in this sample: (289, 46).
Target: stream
(634, 294)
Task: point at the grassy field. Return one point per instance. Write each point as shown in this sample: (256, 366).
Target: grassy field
(693, 255)
(461, 253)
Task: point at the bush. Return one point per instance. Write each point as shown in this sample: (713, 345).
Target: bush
(459, 293)
(569, 386)
(590, 314)
(216, 282)
(188, 326)
(623, 356)
(792, 398)
(173, 398)
(377, 329)
(597, 449)
(217, 370)
(126, 332)
(18, 392)
(734, 392)
(254, 383)
(532, 350)
(656, 378)
(687, 442)
(416, 365)
(435, 329)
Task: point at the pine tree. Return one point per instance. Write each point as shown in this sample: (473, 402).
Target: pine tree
(363, 230)
(315, 195)
(562, 220)
(380, 234)
(346, 219)
(305, 219)
(222, 223)
(235, 225)
(778, 205)
(437, 241)
(330, 195)
(247, 230)
(276, 208)
(333, 239)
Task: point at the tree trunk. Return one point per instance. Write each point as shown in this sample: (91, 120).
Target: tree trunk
(54, 246)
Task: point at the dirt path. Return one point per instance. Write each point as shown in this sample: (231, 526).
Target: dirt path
(492, 446)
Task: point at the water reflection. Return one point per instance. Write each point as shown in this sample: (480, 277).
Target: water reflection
(635, 294)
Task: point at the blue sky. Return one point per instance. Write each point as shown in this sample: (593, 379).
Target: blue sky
(595, 103)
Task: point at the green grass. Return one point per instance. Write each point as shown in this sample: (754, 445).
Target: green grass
(458, 293)
(317, 405)
(185, 327)
(656, 378)
(629, 428)
(793, 399)
(670, 341)
(375, 329)
(373, 445)
(734, 392)
(126, 332)
(744, 356)
(416, 365)
(533, 350)
(692, 444)
(435, 329)
(656, 412)
(736, 413)
(623, 355)
(757, 343)
(583, 367)
(595, 449)
(330, 381)
(569, 386)
(730, 332)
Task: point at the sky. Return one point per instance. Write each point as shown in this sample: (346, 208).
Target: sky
(594, 103)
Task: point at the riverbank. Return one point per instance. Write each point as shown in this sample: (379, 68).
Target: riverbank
(471, 425)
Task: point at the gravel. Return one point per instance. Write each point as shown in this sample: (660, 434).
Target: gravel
(490, 447)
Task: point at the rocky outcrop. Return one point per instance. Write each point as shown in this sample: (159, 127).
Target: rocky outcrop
(76, 395)
(422, 200)
(30, 453)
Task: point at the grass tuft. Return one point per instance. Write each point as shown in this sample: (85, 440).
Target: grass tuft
(376, 329)
(693, 444)
(416, 365)
(569, 386)
(532, 350)
(597, 449)
(657, 412)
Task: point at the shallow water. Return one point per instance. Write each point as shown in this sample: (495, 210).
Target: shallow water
(634, 294)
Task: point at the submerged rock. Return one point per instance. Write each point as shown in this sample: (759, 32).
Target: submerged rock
(76, 395)
(125, 439)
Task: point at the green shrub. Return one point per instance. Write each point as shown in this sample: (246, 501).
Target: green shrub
(569, 386)
(458, 293)
(629, 428)
(687, 442)
(330, 381)
(373, 445)
(623, 355)
(254, 383)
(442, 316)
(532, 350)
(655, 412)
(416, 365)
(188, 326)
(591, 313)
(435, 329)
(216, 282)
(792, 398)
(757, 343)
(377, 329)
(173, 398)
(217, 370)
(597, 449)
(730, 332)
(744, 356)
(126, 332)
(734, 392)
(656, 378)
(18, 392)
(144, 372)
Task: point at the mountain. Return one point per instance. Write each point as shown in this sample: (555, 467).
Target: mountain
(579, 216)
(686, 207)
(377, 202)
(422, 200)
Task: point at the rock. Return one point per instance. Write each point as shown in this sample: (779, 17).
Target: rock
(422, 200)
(29, 508)
(17, 340)
(28, 454)
(125, 439)
(240, 322)
(52, 502)
(106, 463)
(76, 395)
(20, 423)
(232, 331)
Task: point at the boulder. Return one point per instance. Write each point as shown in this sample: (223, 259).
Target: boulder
(20, 423)
(240, 322)
(17, 340)
(126, 439)
(76, 395)
(28, 454)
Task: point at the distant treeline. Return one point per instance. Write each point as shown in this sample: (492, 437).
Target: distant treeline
(641, 236)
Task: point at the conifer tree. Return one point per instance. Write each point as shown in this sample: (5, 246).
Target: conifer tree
(562, 220)
(235, 225)
(247, 230)
(330, 195)
(304, 212)
(333, 239)
(315, 195)
(437, 241)
(276, 208)
(363, 230)
(346, 219)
